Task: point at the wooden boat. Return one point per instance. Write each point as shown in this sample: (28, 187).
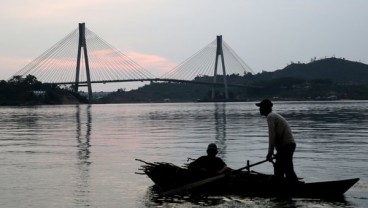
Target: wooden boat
(170, 179)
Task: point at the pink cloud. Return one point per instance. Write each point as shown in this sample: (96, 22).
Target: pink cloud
(100, 60)
(10, 65)
(155, 64)
(152, 62)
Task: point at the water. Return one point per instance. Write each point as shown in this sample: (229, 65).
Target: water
(84, 155)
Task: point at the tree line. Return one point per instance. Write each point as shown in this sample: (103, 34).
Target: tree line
(30, 91)
(329, 78)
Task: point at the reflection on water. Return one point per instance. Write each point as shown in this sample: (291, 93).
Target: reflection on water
(83, 155)
(83, 139)
(220, 128)
(155, 200)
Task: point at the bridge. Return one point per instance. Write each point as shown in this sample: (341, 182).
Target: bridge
(82, 58)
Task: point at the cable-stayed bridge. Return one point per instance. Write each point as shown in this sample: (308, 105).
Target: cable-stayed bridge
(82, 58)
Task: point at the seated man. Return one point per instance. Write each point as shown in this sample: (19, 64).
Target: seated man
(209, 164)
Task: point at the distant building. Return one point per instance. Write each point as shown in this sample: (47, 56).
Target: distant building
(39, 92)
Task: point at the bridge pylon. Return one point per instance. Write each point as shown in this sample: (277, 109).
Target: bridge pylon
(82, 44)
(219, 52)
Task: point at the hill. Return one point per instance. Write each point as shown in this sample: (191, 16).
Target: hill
(337, 70)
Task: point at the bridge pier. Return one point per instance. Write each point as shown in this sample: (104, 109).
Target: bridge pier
(82, 44)
(219, 52)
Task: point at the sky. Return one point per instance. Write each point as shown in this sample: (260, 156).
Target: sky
(160, 34)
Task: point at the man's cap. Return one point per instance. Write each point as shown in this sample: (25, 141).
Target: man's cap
(212, 146)
(265, 103)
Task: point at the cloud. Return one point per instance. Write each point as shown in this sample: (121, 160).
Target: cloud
(99, 60)
(158, 64)
(10, 65)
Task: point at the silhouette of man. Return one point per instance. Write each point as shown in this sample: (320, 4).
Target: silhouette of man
(209, 164)
(281, 139)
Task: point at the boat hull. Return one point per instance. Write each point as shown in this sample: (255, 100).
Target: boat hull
(169, 177)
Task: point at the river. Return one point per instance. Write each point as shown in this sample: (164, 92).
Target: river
(84, 155)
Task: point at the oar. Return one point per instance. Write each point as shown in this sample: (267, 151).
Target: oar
(205, 181)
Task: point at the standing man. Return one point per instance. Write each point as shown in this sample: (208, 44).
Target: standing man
(281, 139)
